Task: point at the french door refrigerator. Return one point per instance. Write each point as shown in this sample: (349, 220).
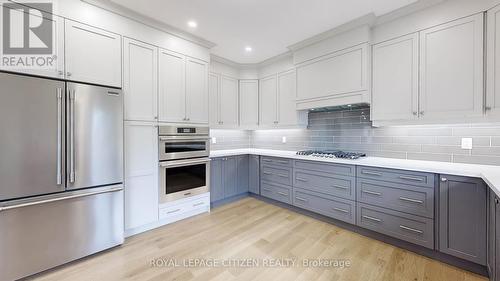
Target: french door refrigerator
(61, 172)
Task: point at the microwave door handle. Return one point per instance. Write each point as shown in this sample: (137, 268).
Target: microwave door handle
(174, 164)
(183, 138)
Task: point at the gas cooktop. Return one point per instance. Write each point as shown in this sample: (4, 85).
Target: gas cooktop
(331, 154)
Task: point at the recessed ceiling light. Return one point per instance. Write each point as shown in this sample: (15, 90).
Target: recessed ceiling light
(248, 49)
(192, 24)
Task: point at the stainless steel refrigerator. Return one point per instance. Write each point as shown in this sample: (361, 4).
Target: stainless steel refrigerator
(61, 172)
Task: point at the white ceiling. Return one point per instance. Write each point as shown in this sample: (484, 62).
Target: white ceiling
(268, 26)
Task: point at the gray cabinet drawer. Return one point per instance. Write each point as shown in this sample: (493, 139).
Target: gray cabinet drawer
(276, 161)
(274, 174)
(399, 197)
(276, 192)
(336, 185)
(329, 206)
(414, 229)
(339, 169)
(397, 176)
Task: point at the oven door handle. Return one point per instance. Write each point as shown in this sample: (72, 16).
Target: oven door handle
(183, 163)
(184, 138)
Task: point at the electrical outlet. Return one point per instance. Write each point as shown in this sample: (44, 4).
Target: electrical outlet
(214, 140)
(283, 139)
(466, 143)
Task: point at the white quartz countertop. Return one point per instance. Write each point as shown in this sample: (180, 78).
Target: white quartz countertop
(490, 174)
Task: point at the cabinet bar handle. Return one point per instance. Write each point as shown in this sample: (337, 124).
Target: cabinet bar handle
(267, 160)
(411, 200)
(371, 173)
(266, 189)
(341, 210)
(371, 192)
(372, 219)
(411, 178)
(282, 161)
(198, 204)
(301, 179)
(283, 193)
(340, 187)
(174, 211)
(282, 175)
(411, 229)
(267, 173)
(301, 199)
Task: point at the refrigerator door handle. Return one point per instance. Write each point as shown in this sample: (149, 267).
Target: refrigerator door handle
(59, 136)
(72, 136)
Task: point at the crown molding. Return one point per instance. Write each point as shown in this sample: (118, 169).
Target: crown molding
(158, 25)
(406, 10)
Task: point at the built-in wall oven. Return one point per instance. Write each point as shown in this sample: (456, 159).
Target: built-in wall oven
(184, 161)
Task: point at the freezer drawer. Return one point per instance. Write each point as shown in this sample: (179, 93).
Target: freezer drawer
(44, 234)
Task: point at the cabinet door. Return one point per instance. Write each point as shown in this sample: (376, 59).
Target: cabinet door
(462, 218)
(216, 180)
(141, 174)
(197, 91)
(491, 234)
(451, 69)
(93, 55)
(497, 239)
(140, 81)
(268, 101)
(229, 102)
(172, 96)
(243, 169)
(395, 79)
(53, 62)
(214, 97)
(254, 174)
(493, 62)
(287, 99)
(249, 104)
(230, 176)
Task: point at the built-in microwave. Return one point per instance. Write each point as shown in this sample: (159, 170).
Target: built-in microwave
(184, 142)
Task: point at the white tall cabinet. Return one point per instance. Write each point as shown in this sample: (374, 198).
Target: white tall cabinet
(141, 170)
(92, 55)
(493, 62)
(249, 103)
(140, 84)
(268, 99)
(287, 99)
(224, 101)
(196, 91)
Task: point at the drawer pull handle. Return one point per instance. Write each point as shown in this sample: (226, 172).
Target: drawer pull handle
(282, 162)
(341, 210)
(411, 229)
(301, 199)
(371, 173)
(411, 200)
(411, 178)
(340, 187)
(372, 219)
(267, 160)
(301, 179)
(372, 192)
(283, 193)
(198, 204)
(174, 211)
(282, 175)
(267, 173)
(266, 189)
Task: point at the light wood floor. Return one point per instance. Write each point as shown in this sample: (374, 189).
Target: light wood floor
(254, 229)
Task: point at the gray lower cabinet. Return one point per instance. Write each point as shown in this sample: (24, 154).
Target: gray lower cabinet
(254, 174)
(414, 229)
(497, 239)
(492, 245)
(463, 218)
(326, 183)
(228, 177)
(330, 206)
(277, 192)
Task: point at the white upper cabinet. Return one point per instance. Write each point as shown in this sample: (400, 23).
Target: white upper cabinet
(228, 102)
(214, 97)
(140, 81)
(268, 101)
(172, 91)
(92, 55)
(451, 69)
(287, 99)
(335, 79)
(395, 79)
(249, 103)
(196, 91)
(141, 174)
(493, 62)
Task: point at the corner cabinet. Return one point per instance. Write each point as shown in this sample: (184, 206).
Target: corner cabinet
(395, 79)
(228, 177)
(224, 101)
(493, 62)
(249, 104)
(92, 55)
(463, 218)
(140, 84)
(183, 89)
